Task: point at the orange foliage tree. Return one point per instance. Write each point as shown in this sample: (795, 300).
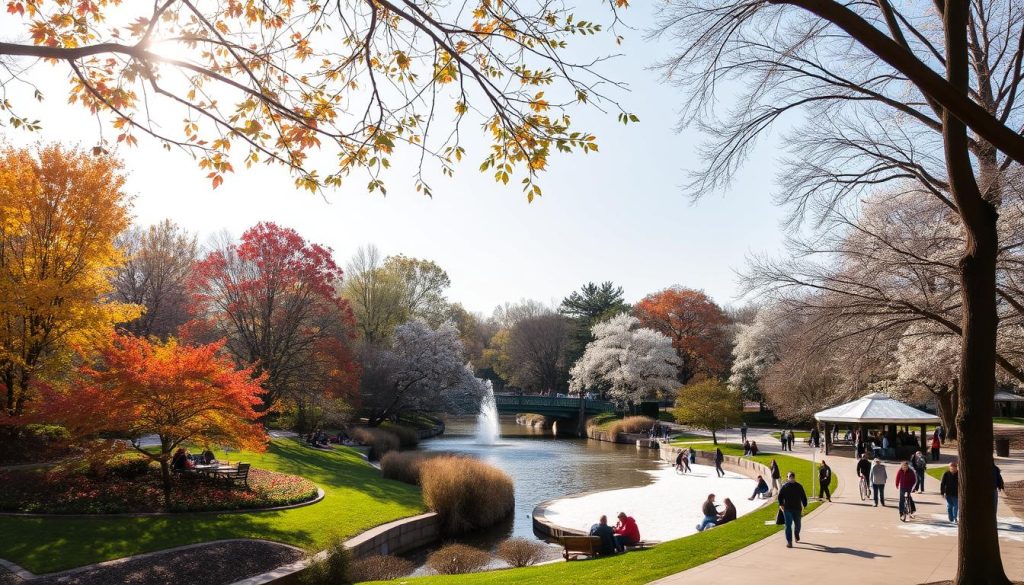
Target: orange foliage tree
(696, 325)
(60, 212)
(179, 393)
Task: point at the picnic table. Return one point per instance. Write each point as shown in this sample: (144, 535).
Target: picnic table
(215, 469)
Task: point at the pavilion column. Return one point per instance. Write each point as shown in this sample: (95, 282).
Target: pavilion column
(828, 438)
(924, 444)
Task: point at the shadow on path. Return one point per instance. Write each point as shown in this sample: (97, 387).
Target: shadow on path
(842, 550)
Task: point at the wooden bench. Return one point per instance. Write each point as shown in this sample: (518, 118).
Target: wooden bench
(576, 546)
(239, 473)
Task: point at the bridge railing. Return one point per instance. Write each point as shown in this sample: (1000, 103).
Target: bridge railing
(515, 400)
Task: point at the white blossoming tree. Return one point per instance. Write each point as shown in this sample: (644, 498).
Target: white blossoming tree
(633, 363)
(423, 370)
(756, 349)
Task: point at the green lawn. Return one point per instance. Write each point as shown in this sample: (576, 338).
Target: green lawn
(356, 498)
(796, 434)
(1009, 420)
(639, 567)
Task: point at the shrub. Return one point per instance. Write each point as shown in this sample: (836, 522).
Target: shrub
(407, 437)
(520, 552)
(332, 568)
(128, 465)
(380, 441)
(467, 494)
(404, 466)
(454, 559)
(630, 424)
(380, 568)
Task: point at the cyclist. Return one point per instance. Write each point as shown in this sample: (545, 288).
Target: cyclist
(863, 472)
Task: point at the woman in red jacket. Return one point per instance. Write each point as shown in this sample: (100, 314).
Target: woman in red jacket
(906, 479)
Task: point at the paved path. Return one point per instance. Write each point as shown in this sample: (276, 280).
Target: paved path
(852, 542)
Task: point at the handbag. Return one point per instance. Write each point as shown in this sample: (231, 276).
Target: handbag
(780, 518)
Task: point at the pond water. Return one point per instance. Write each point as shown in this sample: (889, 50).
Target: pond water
(544, 467)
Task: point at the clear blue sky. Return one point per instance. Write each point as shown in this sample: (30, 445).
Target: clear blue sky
(619, 214)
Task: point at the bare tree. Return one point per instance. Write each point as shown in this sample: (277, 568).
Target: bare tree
(158, 262)
(910, 68)
(375, 294)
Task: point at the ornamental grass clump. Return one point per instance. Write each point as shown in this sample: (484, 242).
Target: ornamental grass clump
(379, 441)
(407, 436)
(520, 552)
(330, 568)
(380, 568)
(454, 559)
(630, 424)
(404, 466)
(467, 494)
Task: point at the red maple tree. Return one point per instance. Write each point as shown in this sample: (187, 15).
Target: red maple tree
(696, 325)
(272, 297)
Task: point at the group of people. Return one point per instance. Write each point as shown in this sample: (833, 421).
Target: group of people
(615, 540)
(182, 460)
(787, 438)
(712, 517)
(684, 458)
(750, 448)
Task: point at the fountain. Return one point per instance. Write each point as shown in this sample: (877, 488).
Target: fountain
(487, 424)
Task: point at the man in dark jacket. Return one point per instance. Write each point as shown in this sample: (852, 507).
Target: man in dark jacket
(864, 471)
(824, 479)
(949, 487)
(606, 534)
(719, 459)
(792, 501)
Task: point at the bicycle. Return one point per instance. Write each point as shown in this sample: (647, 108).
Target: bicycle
(865, 489)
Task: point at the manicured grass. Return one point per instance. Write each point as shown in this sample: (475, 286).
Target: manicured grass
(356, 498)
(1008, 420)
(796, 434)
(639, 567)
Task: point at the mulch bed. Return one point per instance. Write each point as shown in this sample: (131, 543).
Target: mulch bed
(48, 492)
(212, 564)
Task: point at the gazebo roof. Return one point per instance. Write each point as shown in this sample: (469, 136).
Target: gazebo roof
(876, 408)
(1003, 396)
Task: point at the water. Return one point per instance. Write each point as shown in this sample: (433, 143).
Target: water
(544, 467)
(488, 427)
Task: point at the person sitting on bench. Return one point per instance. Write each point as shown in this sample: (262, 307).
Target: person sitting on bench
(761, 489)
(626, 532)
(606, 534)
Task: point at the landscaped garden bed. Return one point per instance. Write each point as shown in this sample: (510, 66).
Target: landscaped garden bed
(134, 486)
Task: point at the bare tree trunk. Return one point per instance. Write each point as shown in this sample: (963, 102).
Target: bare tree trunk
(165, 472)
(979, 561)
(947, 412)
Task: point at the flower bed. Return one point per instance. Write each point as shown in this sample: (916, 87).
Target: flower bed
(84, 493)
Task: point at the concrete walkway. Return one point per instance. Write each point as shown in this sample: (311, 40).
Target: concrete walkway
(853, 542)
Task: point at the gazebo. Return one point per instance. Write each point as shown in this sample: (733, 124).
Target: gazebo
(875, 409)
(1008, 404)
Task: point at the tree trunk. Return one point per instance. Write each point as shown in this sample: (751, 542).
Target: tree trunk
(714, 437)
(947, 412)
(979, 561)
(165, 472)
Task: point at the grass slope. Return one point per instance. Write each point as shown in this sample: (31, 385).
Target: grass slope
(636, 568)
(356, 498)
(1008, 420)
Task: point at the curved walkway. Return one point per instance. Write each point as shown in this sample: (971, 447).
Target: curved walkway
(844, 542)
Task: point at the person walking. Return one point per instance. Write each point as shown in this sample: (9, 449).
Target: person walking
(693, 457)
(878, 479)
(743, 432)
(824, 479)
(776, 476)
(815, 437)
(685, 461)
(792, 439)
(782, 439)
(949, 487)
(942, 433)
(920, 463)
(936, 446)
(719, 459)
(792, 501)
(1000, 486)
(679, 460)
(906, 480)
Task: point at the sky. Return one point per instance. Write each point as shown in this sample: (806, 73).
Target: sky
(620, 214)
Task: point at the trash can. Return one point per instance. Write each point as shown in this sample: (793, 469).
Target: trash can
(1003, 447)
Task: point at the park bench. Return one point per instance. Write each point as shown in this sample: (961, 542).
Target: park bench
(239, 473)
(575, 546)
